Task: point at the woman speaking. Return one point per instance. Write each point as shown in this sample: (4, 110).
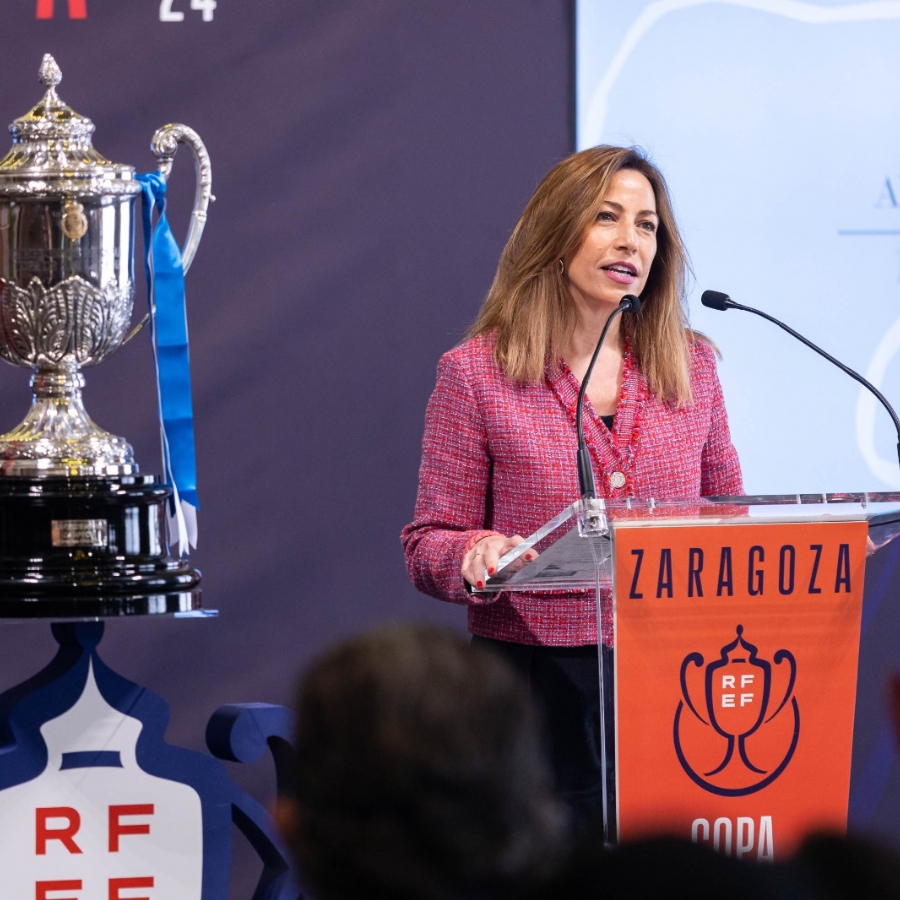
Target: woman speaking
(498, 456)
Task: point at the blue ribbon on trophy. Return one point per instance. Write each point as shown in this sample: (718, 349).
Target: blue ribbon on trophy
(168, 324)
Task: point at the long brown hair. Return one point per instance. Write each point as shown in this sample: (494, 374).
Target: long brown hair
(529, 303)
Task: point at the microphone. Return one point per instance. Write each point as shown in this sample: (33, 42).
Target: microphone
(718, 300)
(629, 303)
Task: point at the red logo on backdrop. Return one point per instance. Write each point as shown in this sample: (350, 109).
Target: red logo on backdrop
(77, 9)
(743, 697)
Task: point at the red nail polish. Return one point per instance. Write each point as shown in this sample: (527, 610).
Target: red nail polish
(479, 584)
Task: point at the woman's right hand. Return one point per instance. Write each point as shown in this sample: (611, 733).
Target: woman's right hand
(481, 561)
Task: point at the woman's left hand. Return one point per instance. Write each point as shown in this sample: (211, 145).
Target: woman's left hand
(481, 561)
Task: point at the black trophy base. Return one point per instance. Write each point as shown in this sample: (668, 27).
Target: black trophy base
(89, 547)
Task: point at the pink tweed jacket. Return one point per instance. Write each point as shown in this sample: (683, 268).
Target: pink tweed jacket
(499, 456)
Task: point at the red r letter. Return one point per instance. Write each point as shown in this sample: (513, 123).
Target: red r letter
(116, 828)
(42, 887)
(65, 834)
(117, 884)
(77, 9)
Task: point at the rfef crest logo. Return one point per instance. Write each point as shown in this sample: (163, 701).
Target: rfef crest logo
(738, 723)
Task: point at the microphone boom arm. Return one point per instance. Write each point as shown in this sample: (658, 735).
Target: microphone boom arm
(730, 304)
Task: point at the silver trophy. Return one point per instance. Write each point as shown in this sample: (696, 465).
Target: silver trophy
(67, 277)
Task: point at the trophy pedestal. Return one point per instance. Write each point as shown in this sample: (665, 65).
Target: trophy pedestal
(58, 437)
(85, 547)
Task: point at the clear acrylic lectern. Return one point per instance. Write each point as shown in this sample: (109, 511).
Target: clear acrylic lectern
(576, 550)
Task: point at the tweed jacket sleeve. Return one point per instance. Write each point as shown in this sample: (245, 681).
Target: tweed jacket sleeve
(720, 471)
(454, 486)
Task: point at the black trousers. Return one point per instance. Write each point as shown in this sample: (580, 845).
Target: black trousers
(565, 682)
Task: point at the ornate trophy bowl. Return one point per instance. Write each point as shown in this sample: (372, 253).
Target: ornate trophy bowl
(93, 529)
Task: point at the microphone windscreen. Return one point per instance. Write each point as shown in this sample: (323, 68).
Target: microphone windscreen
(715, 300)
(634, 303)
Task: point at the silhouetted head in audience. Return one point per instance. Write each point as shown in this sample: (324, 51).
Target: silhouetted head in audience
(420, 773)
(824, 867)
(841, 867)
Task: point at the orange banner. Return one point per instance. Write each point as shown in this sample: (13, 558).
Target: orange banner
(736, 657)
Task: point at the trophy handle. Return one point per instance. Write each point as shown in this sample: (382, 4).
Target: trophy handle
(164, 146)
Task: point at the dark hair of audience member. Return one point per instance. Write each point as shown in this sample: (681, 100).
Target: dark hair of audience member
(841, 867)
(662, 866)
(420, 772)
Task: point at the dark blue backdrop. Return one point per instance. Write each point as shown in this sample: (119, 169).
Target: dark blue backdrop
(369, 161)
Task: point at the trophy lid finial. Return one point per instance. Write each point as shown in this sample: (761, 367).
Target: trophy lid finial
(50, 73)
(52, 150)
(52, 119)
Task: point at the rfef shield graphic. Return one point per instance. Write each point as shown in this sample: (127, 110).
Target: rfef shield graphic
(737, 701)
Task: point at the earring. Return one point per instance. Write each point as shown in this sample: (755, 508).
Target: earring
(562, 266)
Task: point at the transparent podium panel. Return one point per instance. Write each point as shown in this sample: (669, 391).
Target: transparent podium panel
(575, 548)
(572, 549)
